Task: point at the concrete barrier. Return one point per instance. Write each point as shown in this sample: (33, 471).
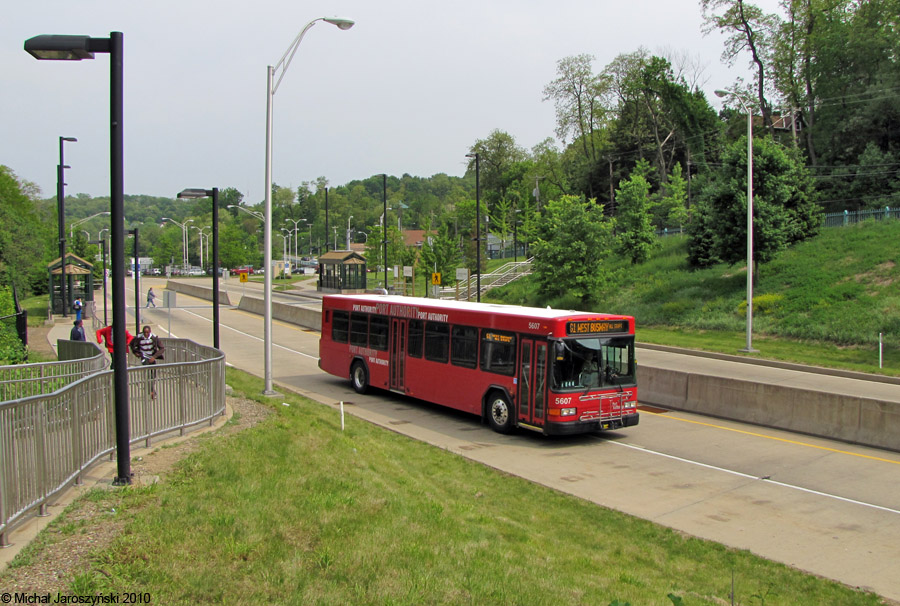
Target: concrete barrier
(851, 418)
(198, 290)
(294, 314)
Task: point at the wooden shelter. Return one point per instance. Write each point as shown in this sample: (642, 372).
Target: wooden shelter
(342, 271)
(79, 283)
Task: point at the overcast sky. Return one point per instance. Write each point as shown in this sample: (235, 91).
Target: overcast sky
(407, 90)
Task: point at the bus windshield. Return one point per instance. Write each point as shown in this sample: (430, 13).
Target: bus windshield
(588, 363)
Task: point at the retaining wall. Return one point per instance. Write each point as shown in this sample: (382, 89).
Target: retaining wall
(198, 290)
(858, 419)
(302, 316)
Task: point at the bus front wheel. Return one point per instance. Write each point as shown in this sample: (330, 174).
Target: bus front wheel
(359, 376)
(499, 413)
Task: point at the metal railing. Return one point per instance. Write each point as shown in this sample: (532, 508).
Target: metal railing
(852, 217)
(77, 360)
(47, 440)
(501, 276)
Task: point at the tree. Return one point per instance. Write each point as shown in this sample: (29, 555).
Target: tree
(497, 154)
(784, 207)
(636, 234)
(573, 242)
(748, 29)
(673, 202)
(577, 93)
(27, 243)
(440, 253)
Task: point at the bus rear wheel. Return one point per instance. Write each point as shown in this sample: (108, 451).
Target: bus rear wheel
(499, 413)
(359, 376)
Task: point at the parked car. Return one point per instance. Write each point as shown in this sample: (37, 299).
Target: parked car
(196, 271)
(246, 269)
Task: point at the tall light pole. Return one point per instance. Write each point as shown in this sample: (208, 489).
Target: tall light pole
(746, 108)
(214, 195)
(296, 224)
(80, 221)
(76, 48)
(104, 244)
(477, 157)
(348, 231)
(285, 236)
(202, 235)
(184, 239)
(252, 213)
(271, 88)
(384, 241)
(61, 213)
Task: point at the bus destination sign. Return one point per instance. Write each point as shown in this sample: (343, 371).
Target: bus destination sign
(592, 327)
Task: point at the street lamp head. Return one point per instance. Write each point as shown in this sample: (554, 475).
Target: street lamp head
(722, 93)
(60, 48)
(68, 139)
(193, 193)
(344, 24)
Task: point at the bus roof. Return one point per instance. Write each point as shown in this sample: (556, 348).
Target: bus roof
(511, 311)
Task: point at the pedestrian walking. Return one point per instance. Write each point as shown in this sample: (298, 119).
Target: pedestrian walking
(151, 297)
(77, 305)
(148, 348)
(77, 332)
(105, 334)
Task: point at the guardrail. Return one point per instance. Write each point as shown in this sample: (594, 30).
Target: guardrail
(503, 275)
(47, 440)
(77, 360)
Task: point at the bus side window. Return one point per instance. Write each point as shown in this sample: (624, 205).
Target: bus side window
(498, 352)
(416, 338)
(437, 341)
(359, 329)
(464, 346)
(340, 326)
(378, 333)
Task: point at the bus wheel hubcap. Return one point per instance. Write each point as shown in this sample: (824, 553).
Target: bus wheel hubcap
(499, 412)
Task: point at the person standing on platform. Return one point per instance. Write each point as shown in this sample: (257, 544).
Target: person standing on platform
(77, 333)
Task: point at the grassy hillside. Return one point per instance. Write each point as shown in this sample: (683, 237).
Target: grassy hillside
(835, 292)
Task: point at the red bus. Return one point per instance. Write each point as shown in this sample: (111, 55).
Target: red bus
(551, 371)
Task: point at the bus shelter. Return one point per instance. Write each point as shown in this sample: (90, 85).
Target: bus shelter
(342, 271)
(79, 283)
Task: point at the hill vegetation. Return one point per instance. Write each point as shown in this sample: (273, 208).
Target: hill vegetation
(839, 289)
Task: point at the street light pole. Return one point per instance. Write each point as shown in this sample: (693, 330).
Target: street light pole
(296, 229)
(477, 157)
(348, 231)
(61, 212)
(746, 108)
(104, 243)
(75, 48)
(184, 229)
(214, 195)
(384, 240)
(271, 88)
(80, 221)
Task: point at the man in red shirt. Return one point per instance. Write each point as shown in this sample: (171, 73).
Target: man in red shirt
(105, 333)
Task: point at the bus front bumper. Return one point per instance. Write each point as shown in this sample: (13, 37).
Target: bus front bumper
(563, 429)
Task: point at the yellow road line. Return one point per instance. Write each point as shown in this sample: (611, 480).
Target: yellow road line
(762, 435)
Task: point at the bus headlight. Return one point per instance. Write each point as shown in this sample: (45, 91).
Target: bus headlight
(567, 412)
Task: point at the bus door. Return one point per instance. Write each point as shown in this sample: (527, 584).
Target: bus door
(532, 394)
(398, 354)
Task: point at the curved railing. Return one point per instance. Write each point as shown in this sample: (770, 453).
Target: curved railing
(78, 359)
(48, 439)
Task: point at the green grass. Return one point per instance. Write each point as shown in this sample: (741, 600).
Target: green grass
(295, 511)
(824, 301)
(37, 308)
